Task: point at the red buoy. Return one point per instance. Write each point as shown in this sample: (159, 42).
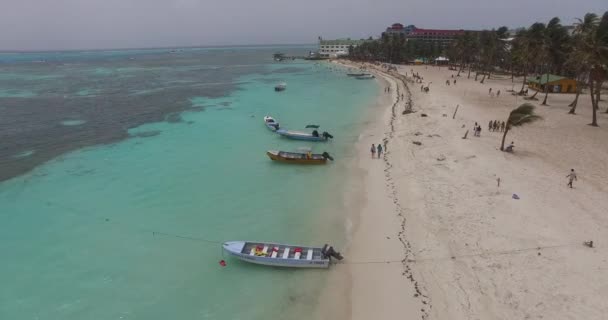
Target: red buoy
(222, 263)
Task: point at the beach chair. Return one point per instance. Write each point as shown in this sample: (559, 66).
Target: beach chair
(286, 253)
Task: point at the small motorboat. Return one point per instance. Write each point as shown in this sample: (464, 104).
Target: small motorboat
(280, 87)
(355, 74)
(299, 157)
(282, 255)
(299, 135)
(271, 123)
(366, 76)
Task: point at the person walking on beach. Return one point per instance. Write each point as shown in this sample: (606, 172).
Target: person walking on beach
(571, 177)
(502, 127)
(379, 150)
(490, 91)
(373, 150)
(495, 126)
(490, 126)
(497, 93)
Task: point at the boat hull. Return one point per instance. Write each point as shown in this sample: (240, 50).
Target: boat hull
(271, 123)
(236, 248)
(300, 136)
(276, 156)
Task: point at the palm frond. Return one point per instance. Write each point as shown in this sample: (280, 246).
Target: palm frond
(521, 115)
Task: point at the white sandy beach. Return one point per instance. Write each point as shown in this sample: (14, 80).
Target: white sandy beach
(438, 239)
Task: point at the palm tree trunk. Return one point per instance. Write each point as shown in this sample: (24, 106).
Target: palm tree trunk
(483, 78)
(593, 104)
(575, 102)
(523, 84)
(504, 136)
(469, 75)
(546, 91)
(534, 95)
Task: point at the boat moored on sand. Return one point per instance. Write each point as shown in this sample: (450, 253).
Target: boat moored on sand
(282, 255)
(299, 157)
(271, 123)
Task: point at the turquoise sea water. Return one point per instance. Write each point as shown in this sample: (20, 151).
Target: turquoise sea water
(89, 235)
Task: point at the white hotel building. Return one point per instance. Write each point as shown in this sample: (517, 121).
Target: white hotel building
(337, 47)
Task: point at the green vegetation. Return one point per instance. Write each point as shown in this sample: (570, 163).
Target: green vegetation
(521, 115)
(580, 53)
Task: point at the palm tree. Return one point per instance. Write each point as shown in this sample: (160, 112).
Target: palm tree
(537, 45)
(489, 47)
(521, 115)
(521, 54)
(592, 53)
(602, 35)
(581, 29)
(556, 42)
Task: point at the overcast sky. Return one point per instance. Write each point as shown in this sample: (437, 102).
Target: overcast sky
(90, 24)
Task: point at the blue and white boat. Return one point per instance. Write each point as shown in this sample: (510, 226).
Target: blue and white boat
(271, 123)
(282, 255)
(299, 135)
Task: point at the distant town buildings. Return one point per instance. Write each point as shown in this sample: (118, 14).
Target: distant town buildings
(339, 47)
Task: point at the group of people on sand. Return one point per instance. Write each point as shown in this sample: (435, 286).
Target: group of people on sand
(476, 130)
(376, 149)
(492, 94)
(447, 82)
(496, 126)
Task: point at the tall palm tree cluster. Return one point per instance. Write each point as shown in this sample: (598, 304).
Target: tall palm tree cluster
(551, 48)
(394, 48)
(543, 49)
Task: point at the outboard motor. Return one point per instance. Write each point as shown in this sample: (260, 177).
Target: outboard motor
(329, 252)
(326, 135)
(327, 156)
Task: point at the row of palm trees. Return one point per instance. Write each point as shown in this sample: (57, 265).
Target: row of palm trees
(581, 53)
(542, 49)
(394, 48)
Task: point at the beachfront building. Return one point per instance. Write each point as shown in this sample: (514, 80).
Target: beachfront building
(556, 84)
(398, 28)
(441, 37)
(336, 48)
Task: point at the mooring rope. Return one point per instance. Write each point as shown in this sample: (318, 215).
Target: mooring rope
(156, 233)
(82, 214)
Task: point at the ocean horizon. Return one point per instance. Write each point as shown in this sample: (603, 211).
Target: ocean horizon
(124, 172)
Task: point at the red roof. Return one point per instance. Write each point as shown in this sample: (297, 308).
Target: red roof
(418, 31)
(397, 26)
